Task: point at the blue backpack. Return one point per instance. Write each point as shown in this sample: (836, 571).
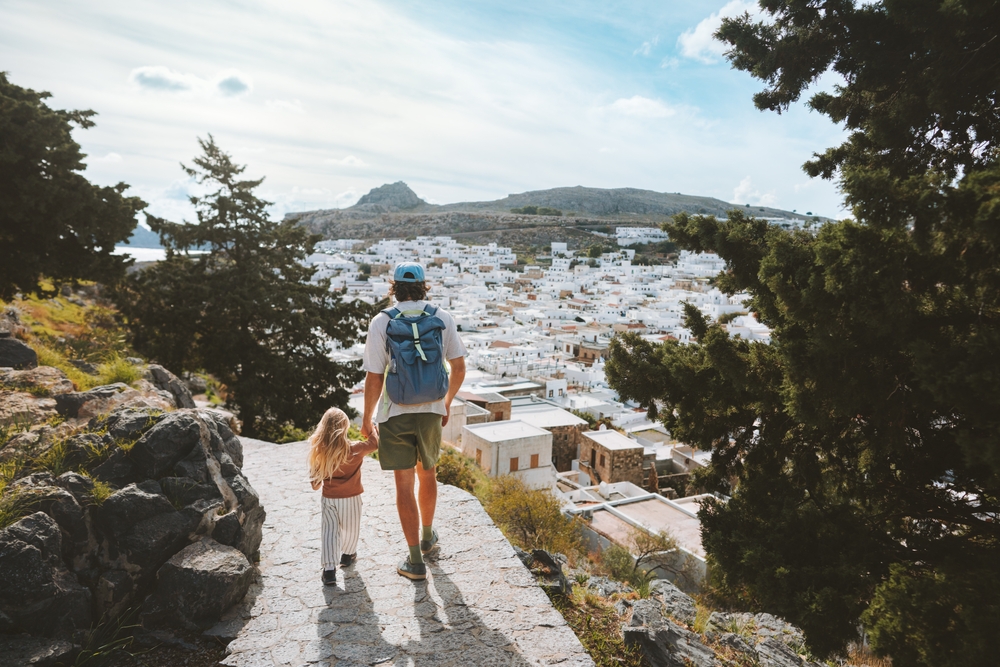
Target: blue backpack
(417, 372)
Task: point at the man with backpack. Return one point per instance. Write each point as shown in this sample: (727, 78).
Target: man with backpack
(408, 394)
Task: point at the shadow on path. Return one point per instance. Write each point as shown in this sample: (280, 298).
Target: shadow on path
(479, 606)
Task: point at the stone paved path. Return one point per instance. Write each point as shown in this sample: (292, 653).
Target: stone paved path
(479, 605)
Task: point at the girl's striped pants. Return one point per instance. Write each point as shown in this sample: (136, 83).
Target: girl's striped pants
(341, 525)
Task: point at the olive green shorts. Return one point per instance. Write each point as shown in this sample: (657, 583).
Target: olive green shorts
(404, 438)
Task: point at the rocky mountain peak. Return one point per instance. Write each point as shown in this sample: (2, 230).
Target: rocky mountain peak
(396, 195)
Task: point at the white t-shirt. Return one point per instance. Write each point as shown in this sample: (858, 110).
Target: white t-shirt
(376, 358)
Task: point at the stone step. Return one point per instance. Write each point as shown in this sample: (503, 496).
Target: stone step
(479, 605)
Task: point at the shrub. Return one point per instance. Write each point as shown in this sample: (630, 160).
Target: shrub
(618, 562)
(116, 369)
(459, 470)
(532, 518)
(286, 432)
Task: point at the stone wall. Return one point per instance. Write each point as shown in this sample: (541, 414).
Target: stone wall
(611, 465)
(565, 446)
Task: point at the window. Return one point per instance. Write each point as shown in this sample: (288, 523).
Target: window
(551, 393)
(498, 416)
(602, 460)
(513, 464)
(479, 457)
(593, 458)
(534, 460)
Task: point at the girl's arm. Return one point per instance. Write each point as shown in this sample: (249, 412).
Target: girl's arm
(315, 485)
(365, 447)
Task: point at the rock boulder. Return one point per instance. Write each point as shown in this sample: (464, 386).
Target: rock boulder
(198, 583)
(42, 380)
(22, 650)
(38, 594)
(167, 381)
(15, 354)
(669, 645)
(676, 602)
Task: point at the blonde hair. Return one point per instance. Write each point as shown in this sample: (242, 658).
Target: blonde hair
(330, 447)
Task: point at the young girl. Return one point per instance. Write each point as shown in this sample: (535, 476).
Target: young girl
(335, 464)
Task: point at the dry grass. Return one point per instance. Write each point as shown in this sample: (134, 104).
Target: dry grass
(599, 628)
(862, 656)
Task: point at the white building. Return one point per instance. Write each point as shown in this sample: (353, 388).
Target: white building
(512, 448)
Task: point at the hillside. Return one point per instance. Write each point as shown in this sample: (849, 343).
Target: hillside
(395, 211)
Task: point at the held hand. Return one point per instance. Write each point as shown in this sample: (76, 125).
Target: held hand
(444, 419)
(369, 430)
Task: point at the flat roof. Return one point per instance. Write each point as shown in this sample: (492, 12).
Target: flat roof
(611, 439)
(506, 430)
(544, 415)
(655, 515)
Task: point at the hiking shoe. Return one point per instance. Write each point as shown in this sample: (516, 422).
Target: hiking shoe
(427, 546)
(329, 577)
(410, 570)
(347, 560)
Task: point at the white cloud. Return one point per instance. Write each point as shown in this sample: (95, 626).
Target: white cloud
(699, 44)
(164, 79)
(642, 107)
(459, 119)
(670, 63)
(349, 161)
(294, 106)
(232, 83)
(228, 83)
(110, 157)
(745, 193)
(647, 47)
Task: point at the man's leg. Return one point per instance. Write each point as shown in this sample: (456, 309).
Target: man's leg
(427, 497)
(406, 505)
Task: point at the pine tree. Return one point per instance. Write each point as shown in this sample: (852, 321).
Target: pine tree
(54, 223)
(861, 448)
(245, 309)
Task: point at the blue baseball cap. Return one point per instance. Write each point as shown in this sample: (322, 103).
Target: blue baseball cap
(408, 272)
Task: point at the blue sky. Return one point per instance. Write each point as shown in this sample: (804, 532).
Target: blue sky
(464, 100)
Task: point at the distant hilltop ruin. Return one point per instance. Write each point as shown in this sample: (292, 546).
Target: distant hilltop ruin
(392, 196)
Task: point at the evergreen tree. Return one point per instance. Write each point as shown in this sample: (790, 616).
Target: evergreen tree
(53, 222)
(244, 310)
(861, 448)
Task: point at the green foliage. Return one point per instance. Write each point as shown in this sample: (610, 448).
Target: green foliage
(532, 518)
(537, 210)
(619, 563)
(457, 469)
(100, 492)
(586, 416)
(89, 330)
(595, 251)
(599, 627)
(108, 639)
(54, 459)
(116, 369)
(854, 444)
(245, 310)
(919, 90)
(49, 356)
(15, 505)
(53, 221)
(288, 432)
